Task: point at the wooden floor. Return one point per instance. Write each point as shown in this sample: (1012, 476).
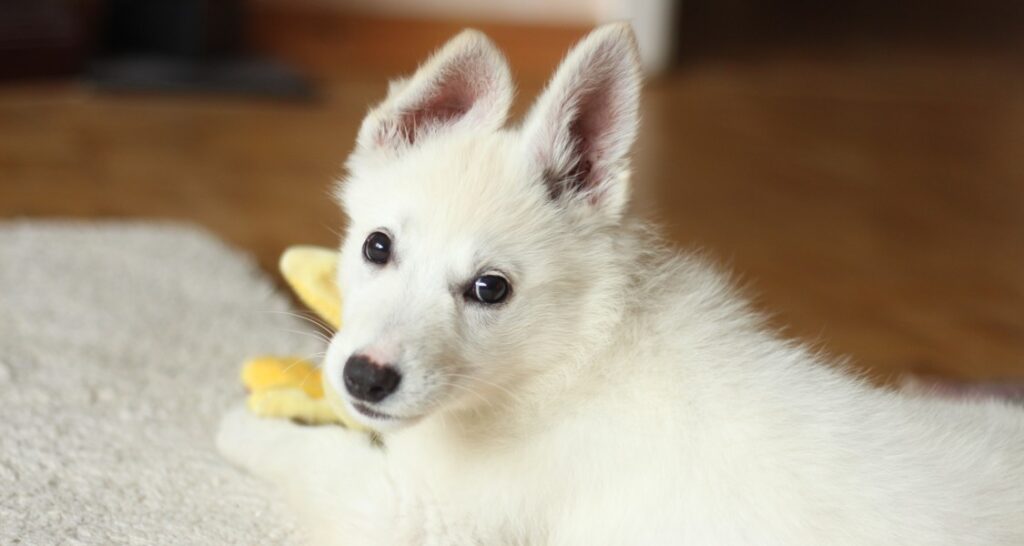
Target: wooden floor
(872, 201)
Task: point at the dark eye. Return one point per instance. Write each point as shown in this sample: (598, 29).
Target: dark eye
(377, 248)
(489, 289)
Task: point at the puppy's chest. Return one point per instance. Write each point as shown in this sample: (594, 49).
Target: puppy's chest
(460, 498)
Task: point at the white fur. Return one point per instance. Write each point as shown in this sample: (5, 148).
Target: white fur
(624, 394)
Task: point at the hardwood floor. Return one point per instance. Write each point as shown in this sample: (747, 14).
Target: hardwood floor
(872, 201)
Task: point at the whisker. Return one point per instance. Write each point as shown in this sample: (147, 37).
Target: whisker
(315, 335)
(313, 358)
(310, 318)
(334, 230)
(503, 389)
(490, 403)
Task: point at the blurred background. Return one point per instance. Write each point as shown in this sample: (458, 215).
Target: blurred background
(859, 164)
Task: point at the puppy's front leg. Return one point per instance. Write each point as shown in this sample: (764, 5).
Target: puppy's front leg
(335, 478)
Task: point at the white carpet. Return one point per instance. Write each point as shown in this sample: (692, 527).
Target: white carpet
(119, 350)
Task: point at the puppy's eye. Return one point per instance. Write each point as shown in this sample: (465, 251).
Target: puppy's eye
(489, 289)
(377, 248)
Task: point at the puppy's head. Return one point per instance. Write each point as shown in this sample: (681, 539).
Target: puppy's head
(474, 253)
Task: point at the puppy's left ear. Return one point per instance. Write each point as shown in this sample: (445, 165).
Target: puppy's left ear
(582, 128)
(464, 84)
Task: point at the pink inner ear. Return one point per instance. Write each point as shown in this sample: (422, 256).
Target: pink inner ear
(589, 134)
(452, 97)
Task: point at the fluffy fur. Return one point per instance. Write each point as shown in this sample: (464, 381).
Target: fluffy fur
(623, 394)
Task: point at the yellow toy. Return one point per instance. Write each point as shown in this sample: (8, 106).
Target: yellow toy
(290, 387)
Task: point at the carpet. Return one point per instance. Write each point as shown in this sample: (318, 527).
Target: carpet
(120, 345)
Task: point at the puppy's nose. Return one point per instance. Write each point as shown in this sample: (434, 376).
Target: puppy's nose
(368, 380)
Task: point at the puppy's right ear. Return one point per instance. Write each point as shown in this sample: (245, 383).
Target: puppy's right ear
(465, 84)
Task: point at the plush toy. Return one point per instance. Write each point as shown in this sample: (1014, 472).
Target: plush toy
(290, 387)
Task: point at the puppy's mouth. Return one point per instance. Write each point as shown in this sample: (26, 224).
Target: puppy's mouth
(370, 412)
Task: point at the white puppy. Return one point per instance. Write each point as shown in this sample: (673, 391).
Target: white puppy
(543, 370)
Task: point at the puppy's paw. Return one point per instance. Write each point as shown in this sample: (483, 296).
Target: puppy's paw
(251, 442)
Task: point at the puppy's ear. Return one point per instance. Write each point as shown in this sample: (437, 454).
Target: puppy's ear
(582, 128)
(466, 83)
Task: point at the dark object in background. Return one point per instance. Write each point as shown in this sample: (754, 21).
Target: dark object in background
(185, 46)
(756, 28)
(40, 38)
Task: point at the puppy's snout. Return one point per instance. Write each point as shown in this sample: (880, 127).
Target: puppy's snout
(368, 380)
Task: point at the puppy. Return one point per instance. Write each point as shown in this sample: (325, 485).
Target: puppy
(543, 370)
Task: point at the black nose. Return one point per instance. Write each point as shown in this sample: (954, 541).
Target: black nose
(368, 380)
